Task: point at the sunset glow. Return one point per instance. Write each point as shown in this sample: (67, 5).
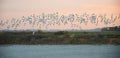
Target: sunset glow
(12, 12)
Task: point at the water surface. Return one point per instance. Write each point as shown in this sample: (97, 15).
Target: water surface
(59, 51)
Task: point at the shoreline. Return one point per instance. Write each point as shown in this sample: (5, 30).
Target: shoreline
(60, 38)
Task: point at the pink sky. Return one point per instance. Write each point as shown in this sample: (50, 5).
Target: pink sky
(17, 8)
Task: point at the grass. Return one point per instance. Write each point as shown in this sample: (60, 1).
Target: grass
(61, 37)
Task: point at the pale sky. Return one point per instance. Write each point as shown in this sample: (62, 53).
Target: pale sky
(17, 8)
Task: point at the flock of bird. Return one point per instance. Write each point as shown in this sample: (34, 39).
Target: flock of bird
(55, 19)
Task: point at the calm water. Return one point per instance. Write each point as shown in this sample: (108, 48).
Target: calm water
(59, 51)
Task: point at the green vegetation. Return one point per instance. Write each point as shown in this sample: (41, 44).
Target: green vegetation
(61, 37)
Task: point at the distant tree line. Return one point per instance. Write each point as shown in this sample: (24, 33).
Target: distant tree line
(116, 28)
